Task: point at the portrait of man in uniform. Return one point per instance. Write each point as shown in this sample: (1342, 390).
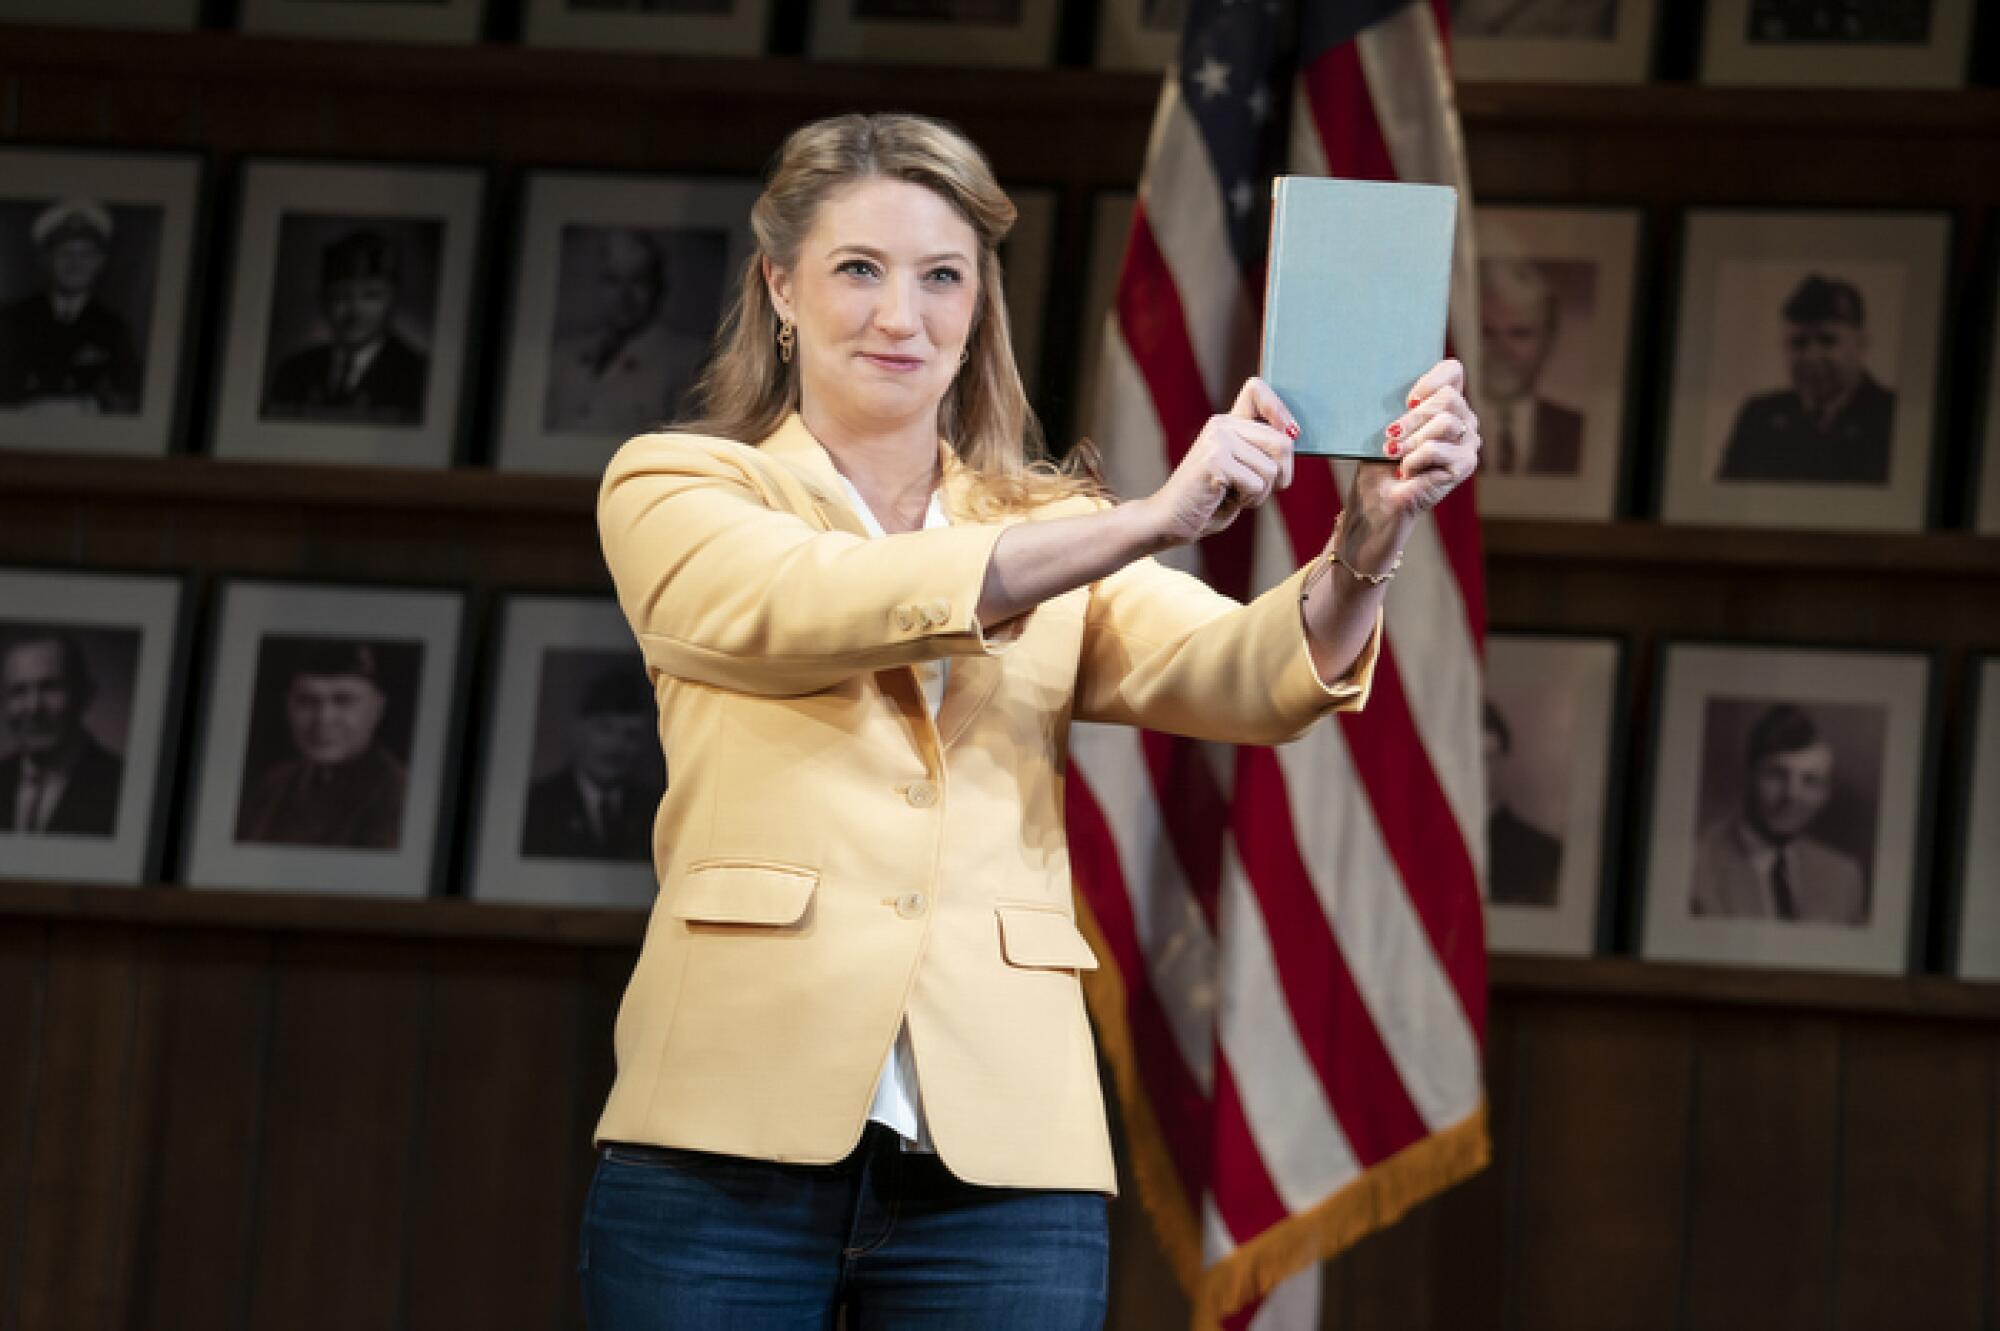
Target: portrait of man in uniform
(64, 344)
(356, 366)
(625, 368)
(329, 773)
(1520, 321)
(56, 778)
(599, 804)
(1765, 858)
(1836, 422)
(1524, 863)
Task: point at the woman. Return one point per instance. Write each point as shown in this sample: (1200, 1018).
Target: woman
(854, 1067)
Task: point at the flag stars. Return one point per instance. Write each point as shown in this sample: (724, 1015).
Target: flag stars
(1213, 77)
(1260, 104)
(1241, 196)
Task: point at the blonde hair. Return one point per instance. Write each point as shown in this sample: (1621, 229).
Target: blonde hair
(747, 390)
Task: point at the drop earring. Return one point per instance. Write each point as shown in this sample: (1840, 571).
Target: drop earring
(786, 340)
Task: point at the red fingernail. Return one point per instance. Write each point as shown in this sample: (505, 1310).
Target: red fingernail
(1292, 430)
(1395, 429)
(1392, 448)
(1416, 401)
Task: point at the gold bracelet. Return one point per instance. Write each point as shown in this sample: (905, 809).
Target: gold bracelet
(1333, 556)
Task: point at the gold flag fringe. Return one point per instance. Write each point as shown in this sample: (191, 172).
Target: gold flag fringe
(1375, 1200)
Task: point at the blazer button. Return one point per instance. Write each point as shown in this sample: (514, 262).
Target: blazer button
(906, 617)
(910, 905)
(937, 612)
(921, 794)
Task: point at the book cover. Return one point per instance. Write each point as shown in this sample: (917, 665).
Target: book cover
(1355, 299)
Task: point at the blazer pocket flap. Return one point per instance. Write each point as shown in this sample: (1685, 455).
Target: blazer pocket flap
(744, 894)
(1035, 936)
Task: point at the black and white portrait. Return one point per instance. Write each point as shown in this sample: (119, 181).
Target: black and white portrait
(374, 20)
(327, 762)
(66, 702)
(91, 665)
(1837, 43)
(1975, 951)
(353, 309)
(1535, 340)
(1806, 369)
(597, 768)
(1587, 19)
(683, 27)
(1789, 800)
(78, 278)
(618, 293)
(349, 322)
(956, 32)
(1788, 809)
(1822, 22)
(1524, 854)
(326, 754)
(635, 311)
(1834, 417)
(96, 253)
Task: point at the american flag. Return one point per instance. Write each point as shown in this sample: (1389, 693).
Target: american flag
(1293, 999)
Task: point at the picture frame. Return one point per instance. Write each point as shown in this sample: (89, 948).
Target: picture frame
(156, 15)
(93, 666)
(1558, 292)
(1835, 44)
(1985, 499)
(1554, 742)
(1110, 226)
(1553, 41)
(1775, 304)
(1824, 751)
(329, 739)
(100, 259)
(1027, 257)
(677, 27)
(1143, 36)
(1974, 931)
(567, 799)
(450, 21)
(1003, 33)
(346, 338)
(643, 265)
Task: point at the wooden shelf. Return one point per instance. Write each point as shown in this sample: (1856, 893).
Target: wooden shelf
(1615, 979)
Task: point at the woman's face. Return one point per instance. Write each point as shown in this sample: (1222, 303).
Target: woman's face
(883, 296)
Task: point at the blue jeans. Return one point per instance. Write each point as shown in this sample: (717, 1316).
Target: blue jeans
(691, 1241)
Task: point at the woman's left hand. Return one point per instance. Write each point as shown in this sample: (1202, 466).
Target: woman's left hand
(1434, 446)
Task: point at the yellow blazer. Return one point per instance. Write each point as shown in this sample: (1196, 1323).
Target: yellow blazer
(831, 859)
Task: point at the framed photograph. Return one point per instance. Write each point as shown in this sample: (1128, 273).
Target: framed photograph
(372, 20)
(1806, 369)
(1025, 258)
(572, 774)
(1789, 806)
(1555, 346)
(1110, 226)
(329, 739)
(1985, 516)
(1553, 41)
(679, 27)
(98, 257)
(162, 15)
(1976, 913)
(935, 32)
(91, 671)
(349, 314)
(619, 286)
(1142, 35)
(1837, 43)
(1552, 718)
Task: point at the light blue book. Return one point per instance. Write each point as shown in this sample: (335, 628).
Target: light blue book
(1355, 299)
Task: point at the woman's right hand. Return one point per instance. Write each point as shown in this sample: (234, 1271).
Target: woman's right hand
(1238, 461)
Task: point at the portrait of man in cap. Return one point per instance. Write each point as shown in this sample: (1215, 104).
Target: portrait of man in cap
(1836, 422)
(1524, 863)
(64, 345)
(1761, 859)
(600, 804)
(1520, 321)
(360, 368)
(336, 783)
(626, 369)
(60, 779)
